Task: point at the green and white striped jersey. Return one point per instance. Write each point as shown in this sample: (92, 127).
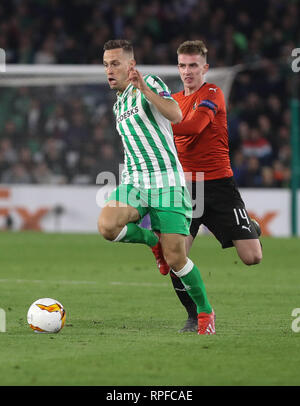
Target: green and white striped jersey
(150, 156)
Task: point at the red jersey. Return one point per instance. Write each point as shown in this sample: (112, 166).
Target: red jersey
(201, 138)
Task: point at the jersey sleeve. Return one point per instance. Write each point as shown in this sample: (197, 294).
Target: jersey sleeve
(193, 126)
(211, 102)
(158, 86)
(205, 110)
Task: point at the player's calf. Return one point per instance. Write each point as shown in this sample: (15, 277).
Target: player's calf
(119, 225)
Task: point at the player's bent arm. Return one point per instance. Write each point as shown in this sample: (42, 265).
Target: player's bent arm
(167, 107)
(193, 126)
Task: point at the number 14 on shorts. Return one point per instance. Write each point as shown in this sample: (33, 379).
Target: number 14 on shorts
(241, 217)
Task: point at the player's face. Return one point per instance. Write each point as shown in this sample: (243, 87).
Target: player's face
(192, 69)
(117, 64)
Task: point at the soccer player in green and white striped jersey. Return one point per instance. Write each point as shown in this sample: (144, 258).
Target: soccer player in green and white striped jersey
(153, 179)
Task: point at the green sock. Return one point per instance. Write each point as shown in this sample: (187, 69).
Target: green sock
(195, 287)
(137, 235)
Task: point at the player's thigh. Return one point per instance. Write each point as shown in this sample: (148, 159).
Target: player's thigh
(225, 226)
(122, 206)
(225, 214)
(117, 214)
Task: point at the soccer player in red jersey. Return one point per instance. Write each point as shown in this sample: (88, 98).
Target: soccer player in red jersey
(201, 140)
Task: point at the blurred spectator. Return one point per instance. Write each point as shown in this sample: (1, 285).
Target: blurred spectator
(46, 54)
(255, 145)
(99, 136)
(279, 173)
(57, 124)
(11, 133)
(9, 153)
(78, 132)
(53, 152)
(274, 109)
(69, 53)
(265, 127)
(25, 158)
(106, 161)
(42, 174)
(16, 174)
(252, 177)
(25, 52)
(239, 167)
(285, 154)
(34, 116)
(252, 107)
(267, 175)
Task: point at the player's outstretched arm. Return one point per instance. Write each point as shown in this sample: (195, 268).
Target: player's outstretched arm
(193, 126)
(168, 108)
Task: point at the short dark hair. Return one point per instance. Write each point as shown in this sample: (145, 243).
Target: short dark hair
(118, 43)
(196, 47)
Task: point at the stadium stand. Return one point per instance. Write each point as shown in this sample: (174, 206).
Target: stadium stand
(55, 139)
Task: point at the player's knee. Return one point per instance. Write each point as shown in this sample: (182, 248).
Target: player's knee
(107, 229)
(252, 258)
(174, 251)
(174, 260)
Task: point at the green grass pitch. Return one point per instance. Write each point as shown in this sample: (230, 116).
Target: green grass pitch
(123, 317)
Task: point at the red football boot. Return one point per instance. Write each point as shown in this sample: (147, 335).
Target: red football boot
(206, 323)
(161, 263)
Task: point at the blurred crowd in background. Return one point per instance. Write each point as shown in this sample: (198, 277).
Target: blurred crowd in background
(68, 136)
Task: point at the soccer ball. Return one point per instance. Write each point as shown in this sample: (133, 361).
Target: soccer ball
(46, 316)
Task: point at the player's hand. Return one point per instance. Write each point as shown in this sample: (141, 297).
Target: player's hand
(136, 79)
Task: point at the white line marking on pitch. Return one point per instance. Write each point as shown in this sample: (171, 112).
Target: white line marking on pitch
(47, 281)
(72, 282)
(147, 284)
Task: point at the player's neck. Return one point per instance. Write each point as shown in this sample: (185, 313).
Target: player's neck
(123, 87)
(190, 90)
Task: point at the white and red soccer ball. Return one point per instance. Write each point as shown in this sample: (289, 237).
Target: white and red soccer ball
(46, 316)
